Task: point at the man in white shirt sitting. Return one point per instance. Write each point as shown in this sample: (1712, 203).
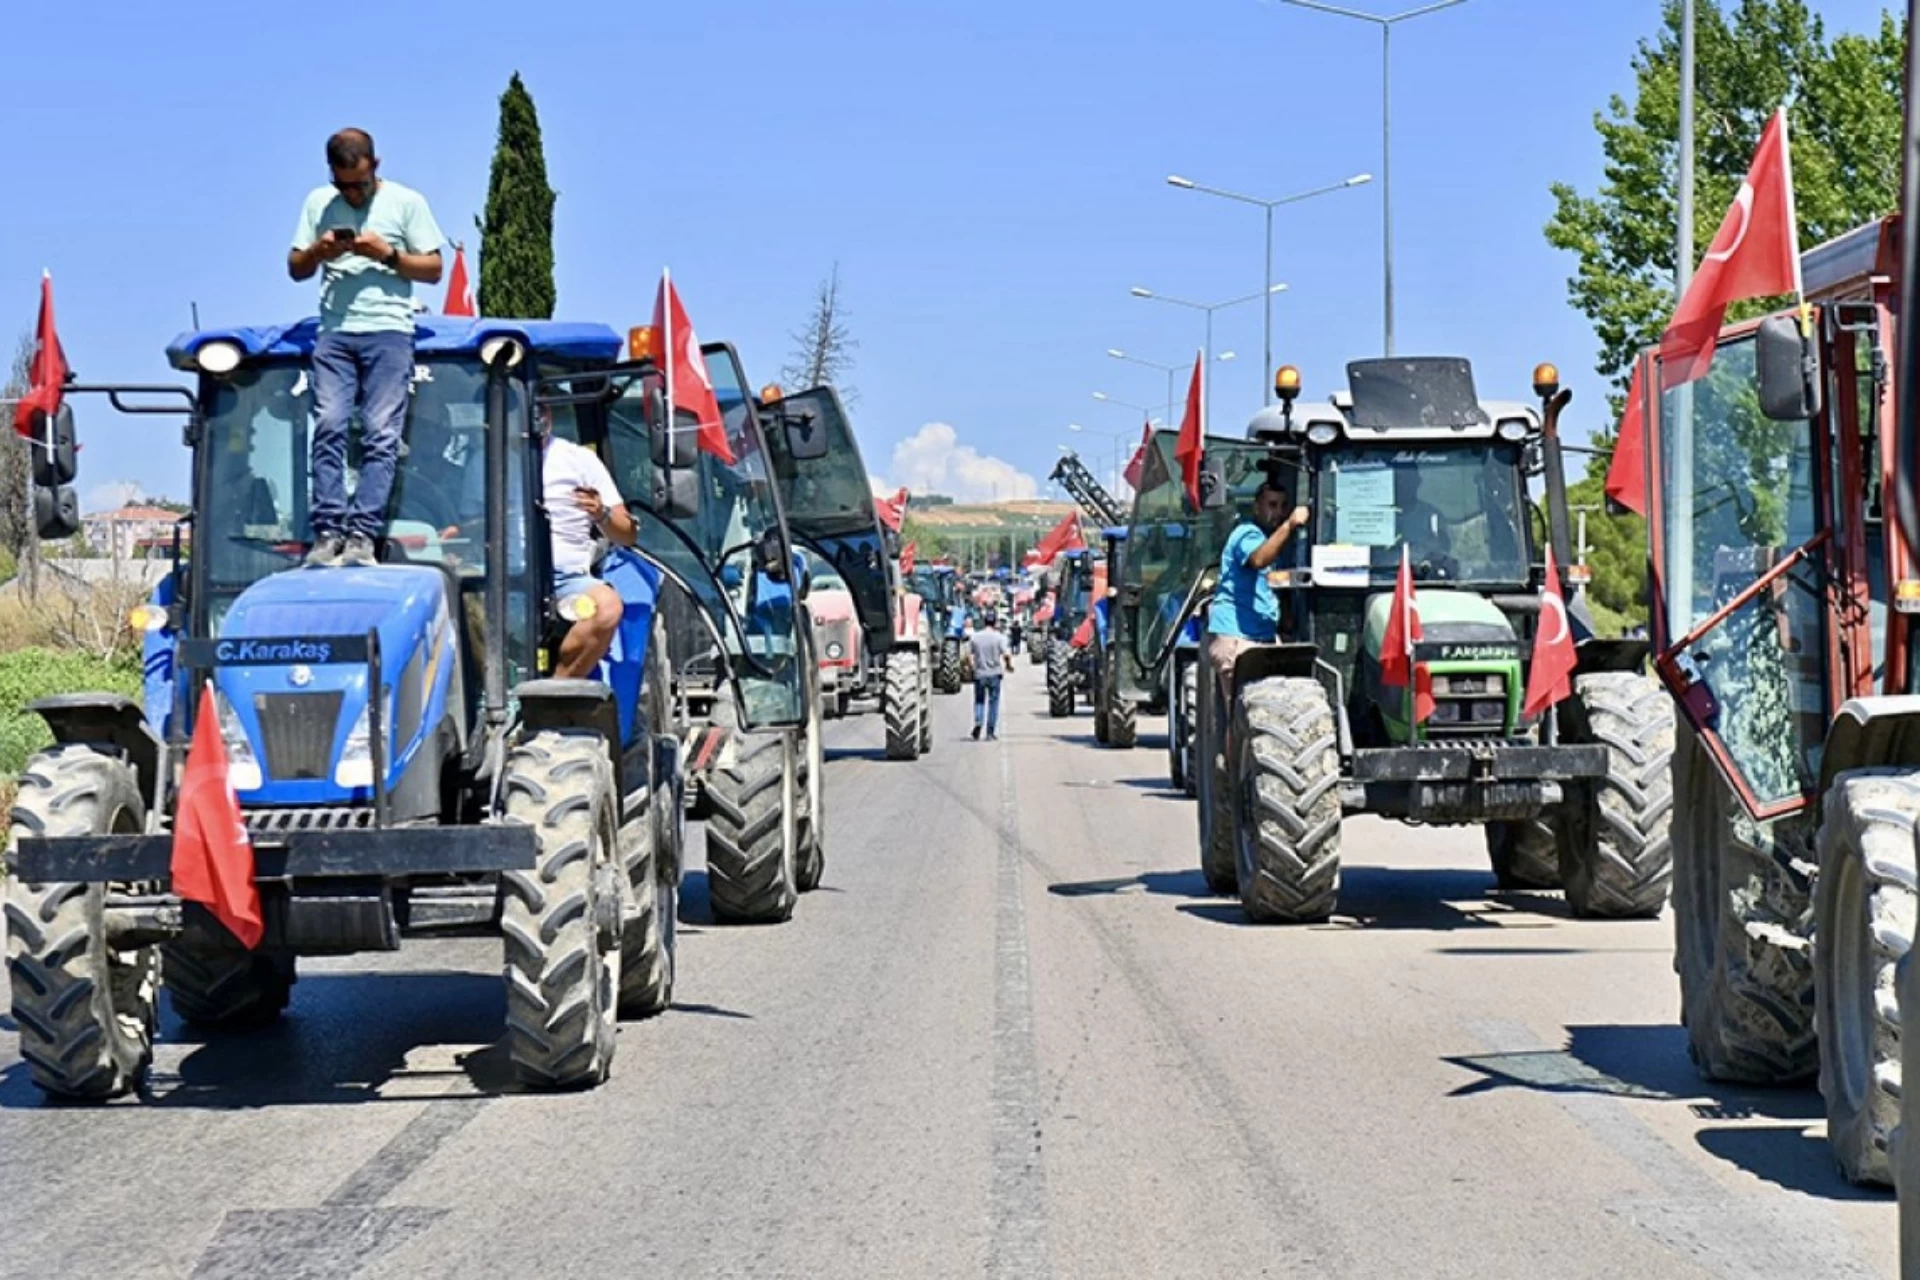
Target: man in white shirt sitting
(580, 498)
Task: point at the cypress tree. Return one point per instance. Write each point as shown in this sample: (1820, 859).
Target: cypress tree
(516, 236)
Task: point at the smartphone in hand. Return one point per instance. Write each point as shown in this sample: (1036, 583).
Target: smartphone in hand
(340, 233)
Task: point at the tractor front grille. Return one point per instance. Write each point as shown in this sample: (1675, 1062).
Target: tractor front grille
(296, 733)
(271, 822)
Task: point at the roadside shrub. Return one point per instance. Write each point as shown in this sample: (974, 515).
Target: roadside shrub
(37, 672)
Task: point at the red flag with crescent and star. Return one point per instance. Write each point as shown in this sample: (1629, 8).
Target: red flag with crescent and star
(459, 290)
(1550, 674)
(689, 386)
(1189, 448)
(212, 854)
(1398, 668)
(47, 371)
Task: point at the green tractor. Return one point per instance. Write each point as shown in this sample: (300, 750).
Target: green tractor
(1410, 458)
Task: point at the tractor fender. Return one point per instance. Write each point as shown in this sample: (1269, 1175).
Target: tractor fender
(1262, 660)
(104, 720)
(572, 704)
(1876, 732)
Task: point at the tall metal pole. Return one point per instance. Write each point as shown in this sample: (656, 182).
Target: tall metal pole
(1386, 171)
(1266, 305)
(1206, 392)
(1680, 504)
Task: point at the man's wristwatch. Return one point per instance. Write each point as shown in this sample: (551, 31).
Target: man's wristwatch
(392, 261)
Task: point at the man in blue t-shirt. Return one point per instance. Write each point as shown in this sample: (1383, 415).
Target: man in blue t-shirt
(1244, 610)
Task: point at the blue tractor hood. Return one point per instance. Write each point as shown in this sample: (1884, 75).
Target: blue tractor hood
(292, 671)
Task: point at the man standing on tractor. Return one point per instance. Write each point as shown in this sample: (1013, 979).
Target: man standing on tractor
(1245, 610)
(371, 240)
(581, 499)
(991, 660)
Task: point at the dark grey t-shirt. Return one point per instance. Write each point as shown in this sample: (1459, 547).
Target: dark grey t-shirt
(989, 652)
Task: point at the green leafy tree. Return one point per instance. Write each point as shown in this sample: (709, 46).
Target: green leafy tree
(516, 236)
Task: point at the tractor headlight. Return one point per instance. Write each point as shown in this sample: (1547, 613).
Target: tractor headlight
(243, 767)
(147, 618)
(218, 358)
(1322, 433)
(1512, 429)
(355, 767)
(836, 650)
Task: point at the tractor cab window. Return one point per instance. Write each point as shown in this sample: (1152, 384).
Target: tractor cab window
(713, 550)
(1460, 511)
(1742, 633)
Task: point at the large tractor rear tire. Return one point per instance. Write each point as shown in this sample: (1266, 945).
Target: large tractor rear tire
(1037, 650)
(1616, 854)
(1102, 707)
(753, 837)
(1863, 926)
(650, 843)
(1524, 854)
(1214, 785)
(812, 823)
(1286, 762)
(1059, 679)
(85, 1012)
(926, 703)
(949, 666)
(1743, 931)
(215, 985)
(903, 702)
(1123, 724)
(561, 920)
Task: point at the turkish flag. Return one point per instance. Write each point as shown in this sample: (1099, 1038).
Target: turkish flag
(1065, 536)
(1189, 448)
(907, 553)
(689, 387)
(47, 372)
(1755, 254)
(212, 854)
(892, 511)
(1136, 466)
(1627, 473)
(1397, 665)
(1550, 674)
(459, 292)
(1083, 634)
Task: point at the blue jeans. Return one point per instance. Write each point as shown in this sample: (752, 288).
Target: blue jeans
(986, 701)
(372, 372)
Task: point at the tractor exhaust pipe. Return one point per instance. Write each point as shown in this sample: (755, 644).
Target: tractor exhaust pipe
(1553, 399)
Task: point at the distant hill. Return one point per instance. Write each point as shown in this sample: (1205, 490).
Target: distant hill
(1006, 516)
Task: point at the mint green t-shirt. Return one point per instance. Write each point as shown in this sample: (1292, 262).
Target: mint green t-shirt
(358, 295)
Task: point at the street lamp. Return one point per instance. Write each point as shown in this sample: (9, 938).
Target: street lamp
(1188, 184)
(1209, 308)
(1120, 439)
(1171, 370)
(1386, 25)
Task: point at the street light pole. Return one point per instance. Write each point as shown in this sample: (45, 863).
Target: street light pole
(1268, 206)
(1209, 308)
(1386, 25)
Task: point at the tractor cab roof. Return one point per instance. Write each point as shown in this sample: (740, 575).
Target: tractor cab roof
(1430, 400)
(1114, 533)
(557, 339)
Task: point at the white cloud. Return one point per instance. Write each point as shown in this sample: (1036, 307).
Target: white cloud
(932, 460)
(111, 496)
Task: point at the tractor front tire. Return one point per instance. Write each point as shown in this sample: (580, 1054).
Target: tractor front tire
(1863, 926)
(86, 1012)
(950, 666)
(1616, 853)
(1183, 720)
(216, 985)
(753, 836)
(1525, 854)
(1123, 723)
(1743, 931)
(1286, 762)
(561, 919)
(902, 701)
(1059, 680)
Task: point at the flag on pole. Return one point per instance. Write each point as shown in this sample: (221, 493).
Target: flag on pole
(459, 291)
(1189, 448)
(1082, 634)
(1550, 674)
(1627, 472)
(1064, 536)
(1137, 465)
(47, 371)
(892, 511)
(212, 860)
(1398, 667)
(907, 553)
(1755, 254)
(689, 387)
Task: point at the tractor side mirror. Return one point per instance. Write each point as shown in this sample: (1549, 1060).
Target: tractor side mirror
(806, 437)
(1787, 371)
(56, 512)
(1214, 492)
(676, 493)
(55, 448)
(770, 553)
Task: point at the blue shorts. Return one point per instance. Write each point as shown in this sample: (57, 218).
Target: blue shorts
(568, 585)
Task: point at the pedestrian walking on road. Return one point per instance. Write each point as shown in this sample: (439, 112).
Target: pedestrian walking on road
(991, 660)
(371, 240)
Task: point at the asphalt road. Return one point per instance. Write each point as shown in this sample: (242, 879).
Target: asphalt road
(1010, 1036)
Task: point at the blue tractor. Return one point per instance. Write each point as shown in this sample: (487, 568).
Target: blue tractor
(395, 742)
(1115, 715)
(940, 587)
(1070, 653)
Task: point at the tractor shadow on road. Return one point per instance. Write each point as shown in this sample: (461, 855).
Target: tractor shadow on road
(832, 754)
(1649, 1063)
(1421, 899)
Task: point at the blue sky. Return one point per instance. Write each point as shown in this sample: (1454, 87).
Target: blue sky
(989, 176)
